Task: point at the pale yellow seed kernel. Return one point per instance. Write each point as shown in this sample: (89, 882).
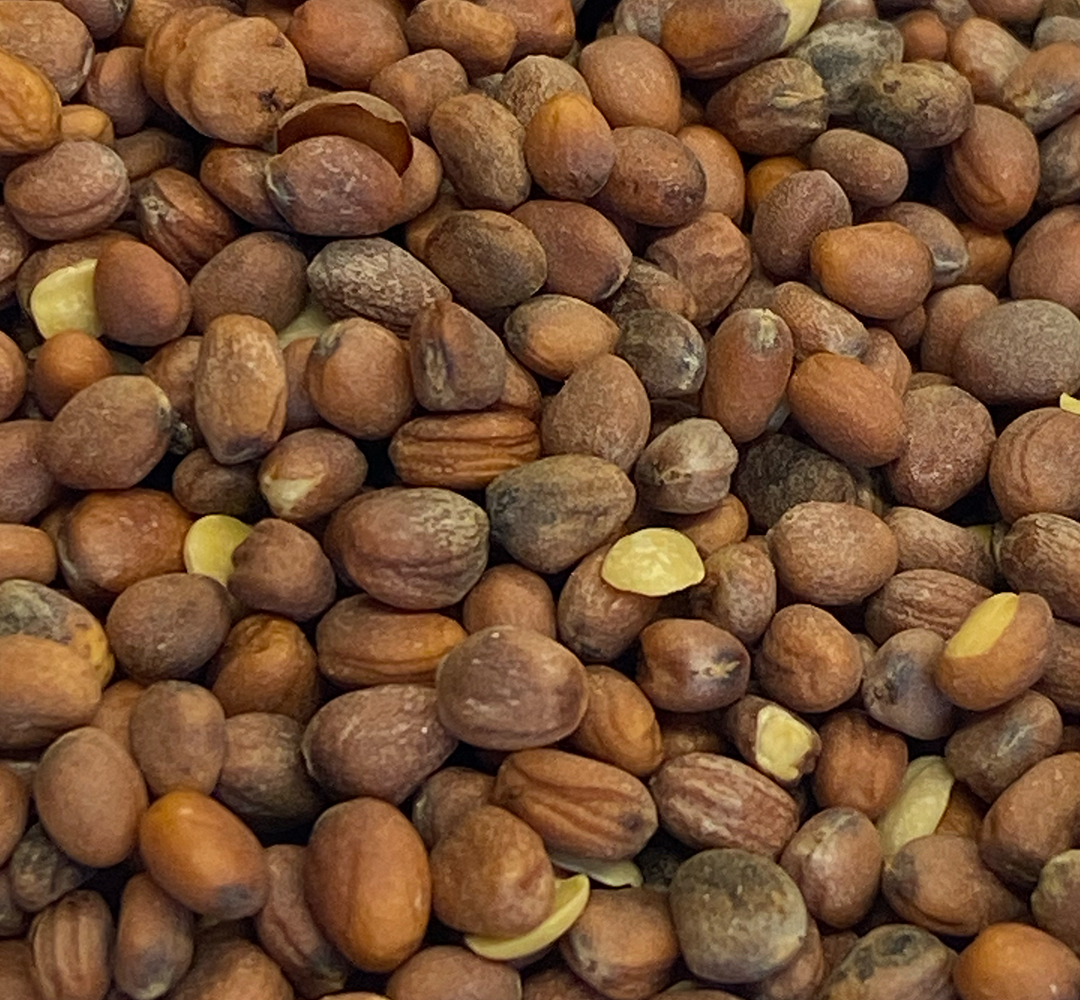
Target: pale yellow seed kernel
(310, 322)
(983, 627)
(919, 805)
(781, 742)
(284, 495)
(64, 300)
(653, 562)
(611, 873)
(209, 545)
(1069, 403)
(801, 16)
(571, 895)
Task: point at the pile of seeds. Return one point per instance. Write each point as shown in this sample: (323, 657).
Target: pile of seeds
(540, 500)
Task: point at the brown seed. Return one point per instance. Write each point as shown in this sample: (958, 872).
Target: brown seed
(240, 388)
(481, 39)
(178, 737)
(67, 363)
(481, 144)
(891, 104)
(71, 941)
(597, 621)
(861, 764)
(848, 409)
(203, 856)
(624, 941)
(579, 806)
(739, 917)
(1050, 900)
(706, 800)
(1043, 90)
(893, 956)
(168, 626)
(48, 689)
(986, 53)
(898, 281)
(417, 84)
(446, 797)
(287, 930)
(771, 109)
(178, 217)
(568, 146)
(947, 312)
(110, 434)
(991, 752)
(506, 263)
(948, 249)
(554, 334)
(358, 379)
(899, 688)
(457, 361)
(510, 595)
(1028, 462)
(710, 42)
(266, 665)
(332, 185)
(236, 176)
(1011, 960)
(632, 81)
(992, 169)
(739, 590)
(691, 666)
(280, 568)
(656, 179)
(347, 43)
(929, 542)
(1038, 268)
(264, 779)
(1019, 352)
(817, 323)
(587, 257)
(449, 967)
(372, 278)
(382, 741)
(832, 553)
(711, 257)
(90, 797)
(260, 274)
(29, 554)
(441, 549)
(949, 441)
(30, 114)
(1031, 820)
(665, 350)
(808, 661)
(367, 881)
(871, 172)
(602, 410)
(619, 725)
(503, 666)
(73, 190)
(490, 875)
(311, 473)
(552, 512)
(835, 859)
(154, 940)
